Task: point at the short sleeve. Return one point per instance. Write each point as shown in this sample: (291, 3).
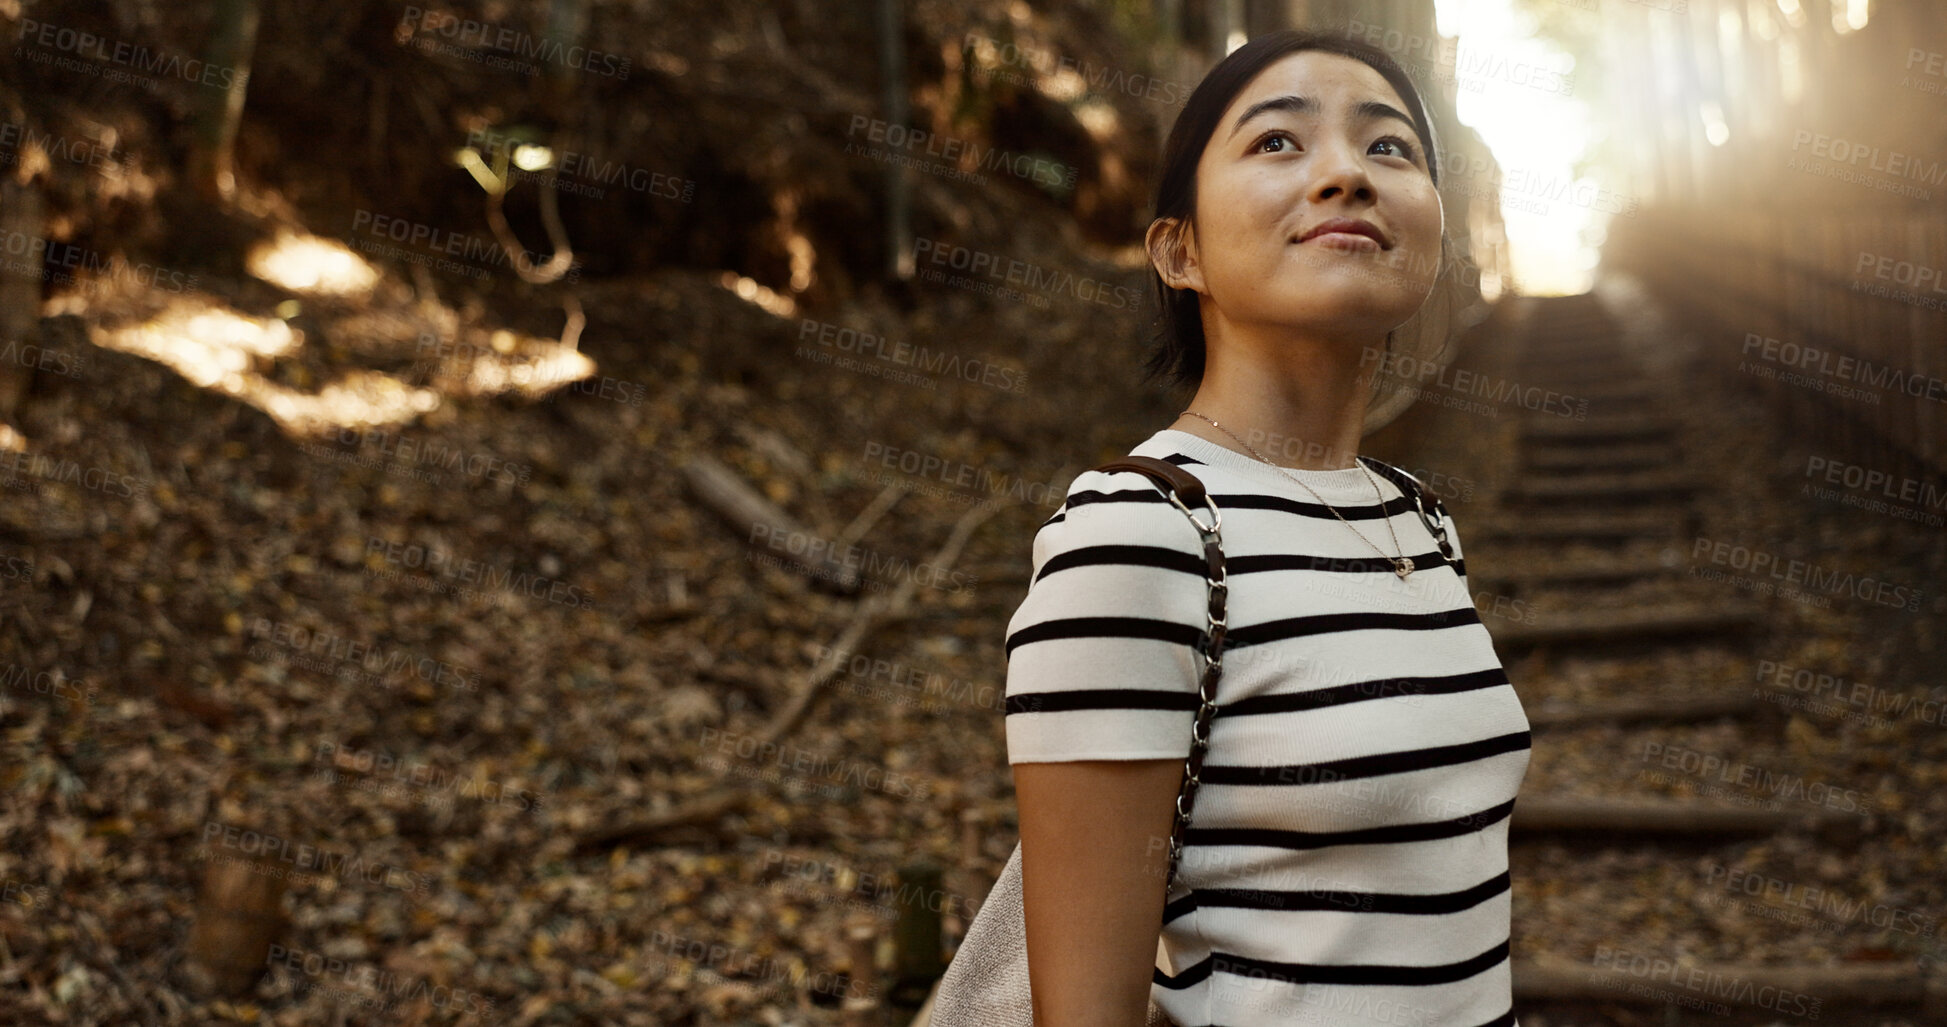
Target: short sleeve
(1102, 657)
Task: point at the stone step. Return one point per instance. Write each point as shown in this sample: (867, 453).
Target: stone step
(1619, 457)
(1597, 429)
(1589, 489)
(1605, 527)
(1671, 710)
(1630, 625)
(1501, 574)
(1543, 814)
(1644, 976)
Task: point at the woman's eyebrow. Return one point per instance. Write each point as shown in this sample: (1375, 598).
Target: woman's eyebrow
(1363, 111)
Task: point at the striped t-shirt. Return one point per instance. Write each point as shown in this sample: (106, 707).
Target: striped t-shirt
(1347, 856)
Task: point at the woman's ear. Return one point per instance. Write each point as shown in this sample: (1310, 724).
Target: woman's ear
(1172, 247)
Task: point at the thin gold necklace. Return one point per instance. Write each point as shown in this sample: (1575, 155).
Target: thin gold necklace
(1402, 564)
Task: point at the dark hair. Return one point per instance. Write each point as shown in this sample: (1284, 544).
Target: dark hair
(1178, 350)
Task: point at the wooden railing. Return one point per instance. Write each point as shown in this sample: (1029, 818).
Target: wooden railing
(1838, 317)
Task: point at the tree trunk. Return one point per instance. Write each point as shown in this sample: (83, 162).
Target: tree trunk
(219, 103)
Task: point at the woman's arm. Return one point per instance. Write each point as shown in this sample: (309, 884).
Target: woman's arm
(1094, 848)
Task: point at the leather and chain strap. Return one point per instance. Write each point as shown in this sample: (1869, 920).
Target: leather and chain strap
(1183, 489)
(1432, 512)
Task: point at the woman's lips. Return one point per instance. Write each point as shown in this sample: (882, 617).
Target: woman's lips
(1356, 227)
(1348, 241)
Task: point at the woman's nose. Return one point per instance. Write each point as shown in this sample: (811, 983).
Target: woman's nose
(1339, 169)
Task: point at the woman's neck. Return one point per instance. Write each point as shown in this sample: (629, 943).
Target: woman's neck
(1299, 402)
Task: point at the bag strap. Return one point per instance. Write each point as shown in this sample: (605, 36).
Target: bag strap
(1183, 489)
(1432, 512)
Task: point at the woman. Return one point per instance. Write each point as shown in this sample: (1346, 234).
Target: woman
(1348, 851)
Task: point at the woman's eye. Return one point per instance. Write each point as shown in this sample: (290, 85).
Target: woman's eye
(1276, 135)
(1405, 148)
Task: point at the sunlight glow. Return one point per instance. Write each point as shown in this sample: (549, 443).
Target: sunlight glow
(1848, 16)
(1716, 130)
(1537, 133)
(222, 350)
(311, 265)
(758, 295)
(556, 366)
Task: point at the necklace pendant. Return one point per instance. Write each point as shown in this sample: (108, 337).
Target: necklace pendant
(1403, 566)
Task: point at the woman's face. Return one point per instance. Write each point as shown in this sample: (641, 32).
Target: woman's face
(1316, 136)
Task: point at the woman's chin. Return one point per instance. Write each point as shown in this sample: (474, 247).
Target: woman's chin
(1352, 315)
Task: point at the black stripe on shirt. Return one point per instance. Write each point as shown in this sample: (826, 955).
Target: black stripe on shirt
(1139, 556)
(1105, 627)
(1360, 691)
(1392, 834)
(1101, 699)
(1326, 973)
(1317, 900)
(1326, 623)
(1330, 564)
(1193, 565)
(1504, 1020)
(1250, 501)
(1377, 765)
